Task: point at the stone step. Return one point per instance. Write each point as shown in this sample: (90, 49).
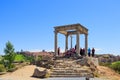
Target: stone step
(67, 65)
(67, 73)
(73, 75)
(65, 76)
(82, 69)
(62, 69)
(71, 71)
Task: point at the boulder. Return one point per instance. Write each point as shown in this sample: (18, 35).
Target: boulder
(41, 74)
(87, 61)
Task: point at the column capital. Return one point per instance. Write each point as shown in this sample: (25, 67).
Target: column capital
(78, 32)
(86, 34)
(55, 32)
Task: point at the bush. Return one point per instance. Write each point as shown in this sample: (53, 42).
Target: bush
(19, 58)
(104, 64)
(29, 59)
(39, 58)
(116, 66)
(1, 60)
(2, 68)
(12, 68)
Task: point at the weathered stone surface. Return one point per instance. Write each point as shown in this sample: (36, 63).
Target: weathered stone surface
(46, 64)
(40, 74)
(87, 61)
(70, 68)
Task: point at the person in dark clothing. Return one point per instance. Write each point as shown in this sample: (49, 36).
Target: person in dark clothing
(58, 51)
(81, 51)
(75, 47)
(93, 52)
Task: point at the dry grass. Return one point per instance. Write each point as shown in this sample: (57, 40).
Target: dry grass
(108, 73)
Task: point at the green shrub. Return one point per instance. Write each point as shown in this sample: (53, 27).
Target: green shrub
(39, 58)
(2, 68)
(19, 58)
(104, 64)
(1, 60)
(116, 66)
(12, 68)
(29, 59)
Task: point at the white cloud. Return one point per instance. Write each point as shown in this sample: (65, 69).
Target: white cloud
(61, 50)
(34, 50)
(98, 49)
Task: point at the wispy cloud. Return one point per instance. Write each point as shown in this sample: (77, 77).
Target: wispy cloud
(35, 50)
(98, 49)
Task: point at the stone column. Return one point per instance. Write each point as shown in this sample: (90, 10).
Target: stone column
(77, 43)
(86, 44)
(55, 46)
(66, 43)
(71, 41)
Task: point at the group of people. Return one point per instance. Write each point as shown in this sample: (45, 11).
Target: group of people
(90, 52)
(82, 52)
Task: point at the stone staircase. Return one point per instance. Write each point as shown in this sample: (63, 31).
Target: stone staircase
(69, 68)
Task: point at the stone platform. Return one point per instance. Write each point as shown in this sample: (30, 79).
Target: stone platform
(66, 67)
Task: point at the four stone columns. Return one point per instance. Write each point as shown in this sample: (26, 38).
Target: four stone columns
(77, 43)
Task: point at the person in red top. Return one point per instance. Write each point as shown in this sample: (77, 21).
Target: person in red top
(93, 52)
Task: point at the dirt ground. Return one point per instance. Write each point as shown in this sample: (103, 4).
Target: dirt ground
(24, 73)
(108, 73)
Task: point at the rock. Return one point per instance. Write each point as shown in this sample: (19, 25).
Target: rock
(41, 74)
(87, 61)
(83, 61)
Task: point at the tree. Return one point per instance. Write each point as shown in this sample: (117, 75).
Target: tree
(9, 54)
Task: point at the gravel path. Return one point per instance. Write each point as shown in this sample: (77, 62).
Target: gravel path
(24, 73)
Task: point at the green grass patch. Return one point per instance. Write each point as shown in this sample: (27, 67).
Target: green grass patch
(104, 64)
(19, 58)
(116, 66)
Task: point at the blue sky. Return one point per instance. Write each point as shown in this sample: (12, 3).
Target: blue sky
(29, 24)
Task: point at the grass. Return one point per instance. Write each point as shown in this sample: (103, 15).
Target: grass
(116, 66)
(19, 58)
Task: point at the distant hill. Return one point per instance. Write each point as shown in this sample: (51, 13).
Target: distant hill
(107, 58)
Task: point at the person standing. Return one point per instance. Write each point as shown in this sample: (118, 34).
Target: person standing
(89, 52)
(75, 47)
(58, 51)
(83, 51)
(93, 52)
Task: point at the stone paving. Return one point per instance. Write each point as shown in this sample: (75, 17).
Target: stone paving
(69, 68)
